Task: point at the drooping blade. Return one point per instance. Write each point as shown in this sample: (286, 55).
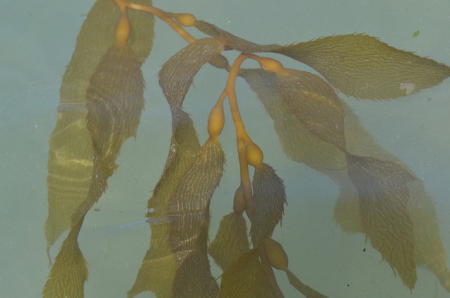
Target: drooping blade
(114, 100)
(68, 274)
(231, 240)
(245, 278)
(268, 198)
(177, 74)
(297, 142)
(158, 267)
(314, 103)
(301, 145)
(383, 196)
(70, 156)
(188, 213)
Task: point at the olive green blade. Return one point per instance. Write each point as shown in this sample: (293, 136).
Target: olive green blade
(70, 162)
(177, 74)
(364, 67)
(245, 278)
(314, 103)
(268, 198)
(231, 240)
(159, 265)
(383, 195)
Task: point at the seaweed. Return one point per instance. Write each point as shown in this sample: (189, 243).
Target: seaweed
(101, 101)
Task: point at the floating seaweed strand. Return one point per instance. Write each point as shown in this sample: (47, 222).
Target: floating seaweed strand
(305, 108)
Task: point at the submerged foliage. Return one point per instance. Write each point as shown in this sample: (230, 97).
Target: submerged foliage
(101, 100)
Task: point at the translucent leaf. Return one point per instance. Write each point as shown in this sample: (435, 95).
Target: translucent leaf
(364, 67)
(188, 213)
(428, 248)
(156, 274)
(114, 100)
(67, 276)
(268, 198)
(383, 196)
(297, 142)
(245, 278)
(314, 103)
(70, 167)
(70, 163)
(158, 267)
(177, 74)
(231, 240)
(193, 277)
(184, 146)
(189, 205)
(300, 145)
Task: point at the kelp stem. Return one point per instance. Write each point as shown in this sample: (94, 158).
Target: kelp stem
(161, 14)
(241, 134)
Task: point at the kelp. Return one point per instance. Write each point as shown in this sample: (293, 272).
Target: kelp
(70, 156)
(269, 198)
(100, 107)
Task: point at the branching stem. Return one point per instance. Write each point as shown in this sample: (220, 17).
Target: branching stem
(166, 17)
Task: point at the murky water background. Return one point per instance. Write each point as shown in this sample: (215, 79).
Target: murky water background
(36, 43)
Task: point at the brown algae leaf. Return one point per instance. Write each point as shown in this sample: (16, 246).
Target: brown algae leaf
(364, 67)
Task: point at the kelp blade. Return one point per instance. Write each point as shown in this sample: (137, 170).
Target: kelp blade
(314, 103)
(158, 267)
(357, 64)
(364, 67)
(428, 247)
(183, 239)
(383, 195)
(245, 278)
(114, 100)
(429, 250)
(188, 210)
(176, 77)
(70, 156)
(297, 142)
(268, 198)
(231, 240)
(302, 146)
(177, 74)
(67, 276)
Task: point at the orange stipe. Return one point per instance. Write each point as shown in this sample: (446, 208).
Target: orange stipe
(161, 14)
(249, 153)
(245, 178)
(241, 134)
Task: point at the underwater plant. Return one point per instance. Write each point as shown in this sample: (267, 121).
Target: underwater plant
(101, 100)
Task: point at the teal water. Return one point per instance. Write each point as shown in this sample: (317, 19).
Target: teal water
(36, 43)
